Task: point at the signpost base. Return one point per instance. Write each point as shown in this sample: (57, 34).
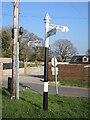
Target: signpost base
(45, 100)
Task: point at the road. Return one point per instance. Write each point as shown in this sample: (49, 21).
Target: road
(33, 82)
(64, 91)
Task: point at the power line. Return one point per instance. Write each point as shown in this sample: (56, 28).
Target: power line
(77, 11)
(26, 16)
(41, 17)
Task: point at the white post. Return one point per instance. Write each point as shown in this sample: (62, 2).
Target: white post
(17, 71)
(47, 21)
(56, 80)
(55, 76)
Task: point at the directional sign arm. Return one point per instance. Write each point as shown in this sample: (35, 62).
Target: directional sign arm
(59, 28)
(51, 32)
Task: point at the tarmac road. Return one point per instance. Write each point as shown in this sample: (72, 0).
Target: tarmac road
(32, 81)
(62, 90)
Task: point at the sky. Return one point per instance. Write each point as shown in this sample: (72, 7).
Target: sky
(71, 14)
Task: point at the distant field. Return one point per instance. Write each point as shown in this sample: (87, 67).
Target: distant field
(30, 105)
(73, 82)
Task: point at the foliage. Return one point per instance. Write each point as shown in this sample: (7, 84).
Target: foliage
(77, 83)
(26, 53)
(74, 83)
(30, 105)
(64, 49)
(0, 44)
(35, 65)
(20, 49)
(29, 53)
(88, 52)
(31, 65)
(6, 43)
(50, 54)
(41, 53)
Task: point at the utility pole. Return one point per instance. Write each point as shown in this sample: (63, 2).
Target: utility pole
(45, 93)
(15, 39)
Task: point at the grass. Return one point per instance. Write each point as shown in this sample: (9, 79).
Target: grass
(72, 82)
(30, 105)
(31, 65)
(34, 65)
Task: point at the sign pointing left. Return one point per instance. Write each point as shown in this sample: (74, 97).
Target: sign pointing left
(51, 32)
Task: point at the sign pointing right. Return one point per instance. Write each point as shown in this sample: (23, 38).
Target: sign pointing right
(59, 28)
(55, 28)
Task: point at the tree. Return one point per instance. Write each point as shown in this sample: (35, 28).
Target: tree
(64, 49)
(0, 43)
(6, 44)
(88, 52)
(25, 51)
(41, 53)
(28, 53)
(22, 45)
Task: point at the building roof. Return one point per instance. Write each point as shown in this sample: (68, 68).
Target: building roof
(80, 59)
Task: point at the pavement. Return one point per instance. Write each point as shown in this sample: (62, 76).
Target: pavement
(33, 81)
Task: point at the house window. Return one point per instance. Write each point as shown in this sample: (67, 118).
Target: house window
(85, 59)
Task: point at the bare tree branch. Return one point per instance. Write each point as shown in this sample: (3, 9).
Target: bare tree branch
(64, 48)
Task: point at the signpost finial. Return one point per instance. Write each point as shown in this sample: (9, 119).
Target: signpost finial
(47, 18)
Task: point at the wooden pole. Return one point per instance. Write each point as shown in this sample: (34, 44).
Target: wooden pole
(1, 68)
(15, 27)
(25, 67)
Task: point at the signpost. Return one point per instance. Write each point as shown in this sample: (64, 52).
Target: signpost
(50, 30)
(35, 43)
(59, 28)
(45, 91)
(54, 61)
(55, 71)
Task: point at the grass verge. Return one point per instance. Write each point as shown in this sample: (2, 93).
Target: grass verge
(72, 82)
(30, 105)
(34, 65)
